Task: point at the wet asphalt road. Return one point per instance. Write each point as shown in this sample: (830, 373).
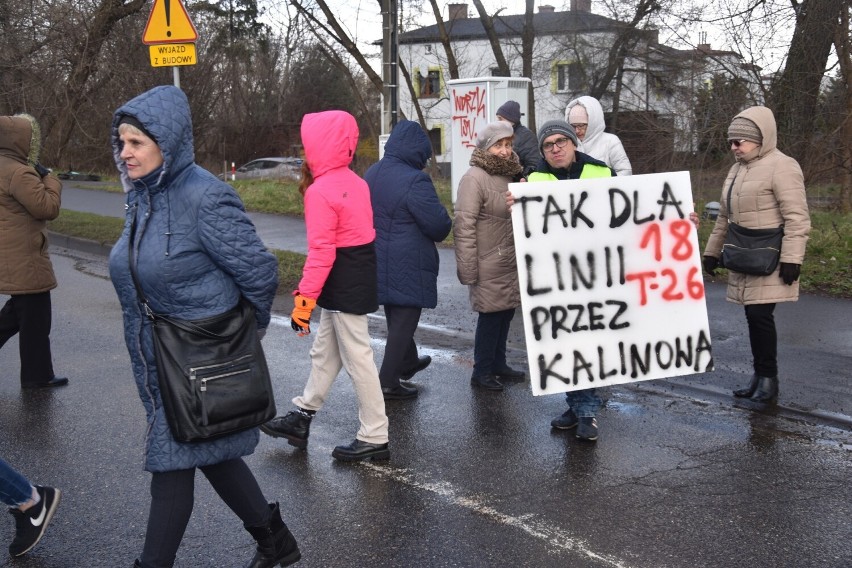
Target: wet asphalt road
(683, 475)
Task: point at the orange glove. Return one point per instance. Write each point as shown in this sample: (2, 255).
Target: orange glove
(300, 318)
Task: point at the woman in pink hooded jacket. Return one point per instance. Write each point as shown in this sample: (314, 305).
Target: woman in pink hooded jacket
(339, 276)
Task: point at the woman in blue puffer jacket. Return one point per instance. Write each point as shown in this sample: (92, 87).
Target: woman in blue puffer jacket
(197, 253)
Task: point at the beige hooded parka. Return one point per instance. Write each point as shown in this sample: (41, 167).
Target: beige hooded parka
(27, 202)
(768, 190)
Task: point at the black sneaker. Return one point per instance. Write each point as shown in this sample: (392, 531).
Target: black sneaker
(294, 426)
(31, 524)
(587, 429)
(566, 421)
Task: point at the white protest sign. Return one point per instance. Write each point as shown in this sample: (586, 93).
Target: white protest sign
(611, 284)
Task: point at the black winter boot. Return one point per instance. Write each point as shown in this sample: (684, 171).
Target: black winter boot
(749, 390)
(295, 426)
(275, 542)
(767, 390)
(487, 382)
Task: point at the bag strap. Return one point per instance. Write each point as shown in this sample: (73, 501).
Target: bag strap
(730, 191)
(131, 255)
(185, 325)
(189, 327)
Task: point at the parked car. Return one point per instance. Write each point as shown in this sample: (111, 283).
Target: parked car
(77, 176)
(270, 168)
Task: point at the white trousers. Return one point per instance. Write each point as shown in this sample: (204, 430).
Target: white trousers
(343, 341)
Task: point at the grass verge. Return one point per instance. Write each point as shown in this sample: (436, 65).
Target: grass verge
(827, 269)
(106, 230)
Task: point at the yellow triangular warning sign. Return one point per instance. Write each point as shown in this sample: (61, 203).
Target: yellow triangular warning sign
(169, 23)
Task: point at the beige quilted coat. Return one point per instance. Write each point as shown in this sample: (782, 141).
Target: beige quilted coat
(485, 246)
(768, 190)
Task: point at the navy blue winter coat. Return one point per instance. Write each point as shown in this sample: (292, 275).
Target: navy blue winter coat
(409, 220)
(197, 252)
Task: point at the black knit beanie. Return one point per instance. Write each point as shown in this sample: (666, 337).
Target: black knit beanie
(133, 121)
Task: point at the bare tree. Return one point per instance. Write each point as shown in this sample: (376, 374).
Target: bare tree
(843, 46)
(59, 127)
(623, 46)
(452, 64)
(335, 30)
(488, 23)
(795, 92)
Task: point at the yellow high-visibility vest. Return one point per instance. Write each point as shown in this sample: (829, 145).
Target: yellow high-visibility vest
(589, 171)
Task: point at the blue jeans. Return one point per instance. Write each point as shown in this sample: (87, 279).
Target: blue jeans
(15, 490)
(489, 344)
(585, 403)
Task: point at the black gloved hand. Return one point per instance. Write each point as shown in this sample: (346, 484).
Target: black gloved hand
(789, 272)
(711, 263)
(41, 170)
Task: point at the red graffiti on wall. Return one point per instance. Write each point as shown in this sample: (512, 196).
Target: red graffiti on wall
(467, 107)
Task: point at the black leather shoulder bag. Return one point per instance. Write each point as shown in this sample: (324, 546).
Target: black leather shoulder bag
(212, 372)
(750, 251)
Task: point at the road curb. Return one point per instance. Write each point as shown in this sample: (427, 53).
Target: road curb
(83, 245)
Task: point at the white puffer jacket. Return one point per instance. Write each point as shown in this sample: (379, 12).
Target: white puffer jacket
(598, 144)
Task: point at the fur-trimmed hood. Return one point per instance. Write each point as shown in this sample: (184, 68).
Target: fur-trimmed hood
(20, 138)
(27, 201)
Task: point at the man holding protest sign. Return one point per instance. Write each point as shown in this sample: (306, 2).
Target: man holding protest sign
(602, 260)
(558, 144)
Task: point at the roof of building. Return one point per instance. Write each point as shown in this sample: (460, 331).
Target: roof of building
(544, 23)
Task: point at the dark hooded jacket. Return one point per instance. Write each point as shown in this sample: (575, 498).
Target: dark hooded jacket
(525, 146)
(197, 252)
(27, 202)
(409, 220)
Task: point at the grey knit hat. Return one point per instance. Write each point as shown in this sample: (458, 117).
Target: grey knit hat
(552, 127)
(492, 133)
(744, 129)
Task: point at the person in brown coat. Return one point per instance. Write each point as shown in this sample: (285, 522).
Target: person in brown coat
(767, 190)
(29, 197)
(485, 251)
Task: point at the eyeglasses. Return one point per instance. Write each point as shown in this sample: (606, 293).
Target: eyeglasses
(559, 143)
(579, 126)
(737, 143)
